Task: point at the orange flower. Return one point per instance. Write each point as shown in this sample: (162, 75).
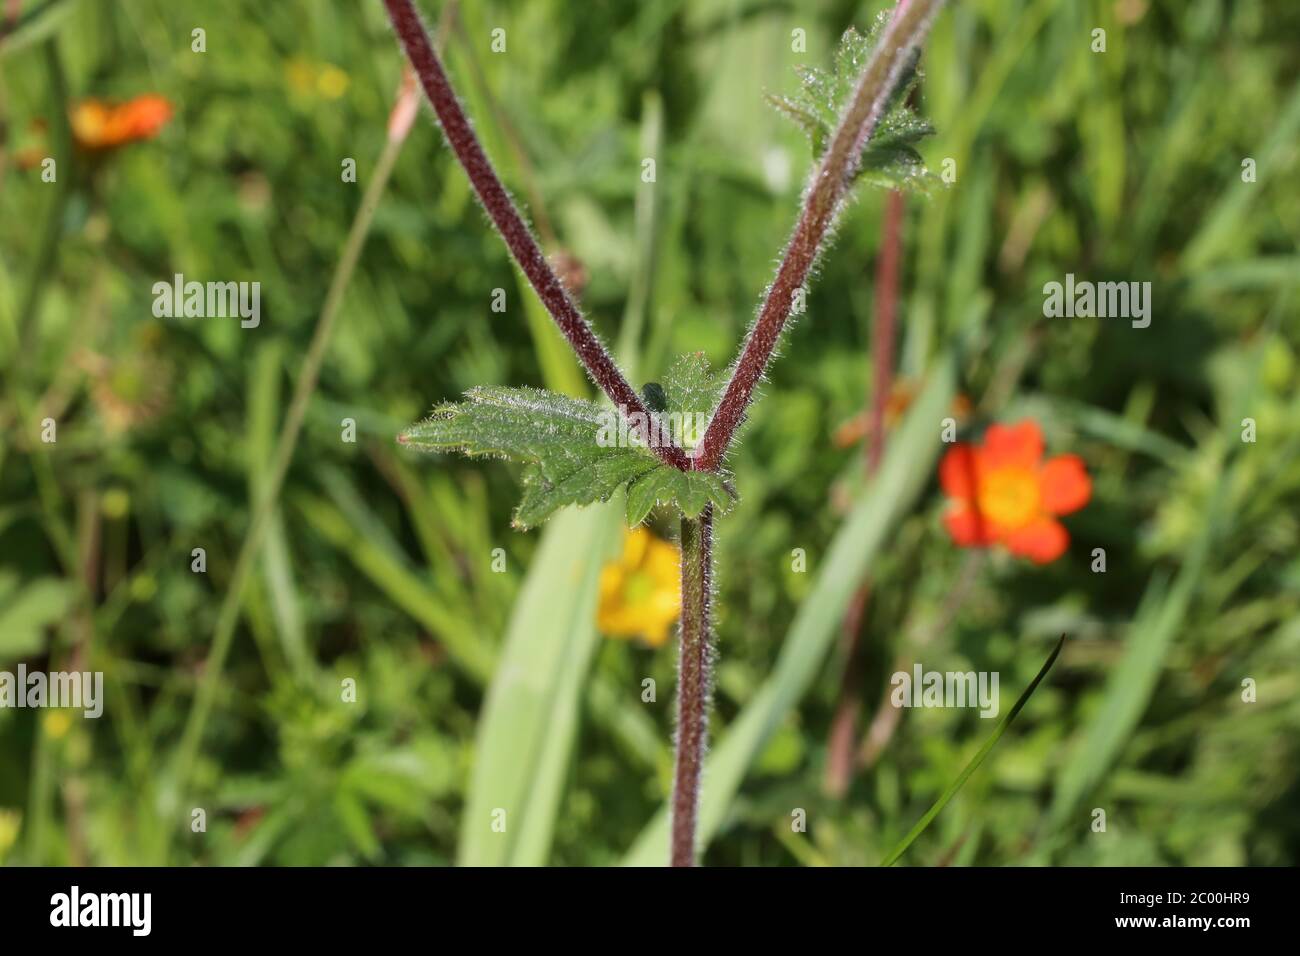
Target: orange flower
(97, 125)
(901, 394)
(1004, 493)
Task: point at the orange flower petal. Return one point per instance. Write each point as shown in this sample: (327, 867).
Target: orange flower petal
(1065, 484)
(143, 116)
(1042, 541)
(1018, 445)
(967, 527)
(957, 472)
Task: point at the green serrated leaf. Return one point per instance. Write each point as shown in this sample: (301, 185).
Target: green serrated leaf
(696, 489)
(889, 159)
(690, 491)
(566, 443)
(571, 446)
(647, 491)
(690, 385)
(524, 423)
(691, 391)
(807, 120)
(542, 498)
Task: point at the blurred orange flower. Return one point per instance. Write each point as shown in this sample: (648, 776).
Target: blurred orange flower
(640, 593)
(1004, 493)
(901, 395)
(99, 125)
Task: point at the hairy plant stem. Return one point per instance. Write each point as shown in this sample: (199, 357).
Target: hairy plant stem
(694, 682)
(822, 201)
(519, 239)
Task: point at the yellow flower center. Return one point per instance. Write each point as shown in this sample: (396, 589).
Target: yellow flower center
(640, 593)
(639, 588)
(1009, 497)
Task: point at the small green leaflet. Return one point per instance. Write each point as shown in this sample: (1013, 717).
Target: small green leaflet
(575, 451)
(689, 490)
(890, 158)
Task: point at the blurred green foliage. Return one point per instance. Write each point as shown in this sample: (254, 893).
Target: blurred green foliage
(1123, 165)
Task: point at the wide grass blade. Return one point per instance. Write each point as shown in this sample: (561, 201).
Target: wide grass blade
(1129, 689)
(975, 761)
(276, 562)
(530, 719)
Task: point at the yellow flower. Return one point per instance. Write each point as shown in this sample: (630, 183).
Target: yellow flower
(301, 76)
(331, 82)
(316, 79)
(57, 723)
(640, 593)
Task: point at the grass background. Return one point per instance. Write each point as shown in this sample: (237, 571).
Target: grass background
(481, 690)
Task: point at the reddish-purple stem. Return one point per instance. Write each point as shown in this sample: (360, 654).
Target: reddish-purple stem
(823, 198)
(501, 209)
(840, 743)
(694, 682)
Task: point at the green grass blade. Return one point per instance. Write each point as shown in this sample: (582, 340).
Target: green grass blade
(276, 561)
(560, 369)
(1129, 689)
(38, 23)
(1219, 233)
(530, 718)
(1160, 617)
(975, 761)
(404, 586)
